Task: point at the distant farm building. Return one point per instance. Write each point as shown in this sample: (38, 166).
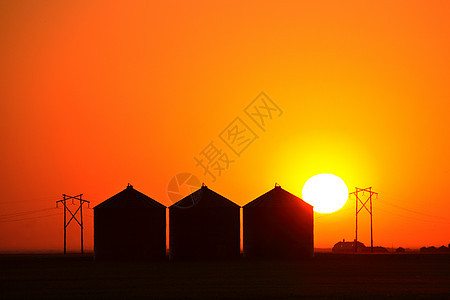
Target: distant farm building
(349, 247)
(130, 225)
(377, 249)
(204, 225)
(278, 224)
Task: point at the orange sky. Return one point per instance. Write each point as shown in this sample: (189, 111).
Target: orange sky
(96, 94)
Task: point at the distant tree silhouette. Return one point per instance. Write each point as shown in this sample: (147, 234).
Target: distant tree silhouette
(433, 249)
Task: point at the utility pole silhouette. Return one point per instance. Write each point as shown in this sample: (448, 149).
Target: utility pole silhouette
(66, 209)
(369, 210)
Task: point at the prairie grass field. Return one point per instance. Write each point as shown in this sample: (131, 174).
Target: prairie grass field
(327, 275)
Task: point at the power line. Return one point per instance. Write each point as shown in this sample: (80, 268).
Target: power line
(417, 219)
(413, 211)
(23, 213)
(29, 218)
(26, 200)
(19, 214)
(443, 220)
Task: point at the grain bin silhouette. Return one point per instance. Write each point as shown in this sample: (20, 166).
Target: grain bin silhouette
(204, 225)
(278, 225)
(130, 225)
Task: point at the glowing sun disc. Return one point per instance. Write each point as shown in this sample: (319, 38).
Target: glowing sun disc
(326, 192)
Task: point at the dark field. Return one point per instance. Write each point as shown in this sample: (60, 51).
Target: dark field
(327, 275)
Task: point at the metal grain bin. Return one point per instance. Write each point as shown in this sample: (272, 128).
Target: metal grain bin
(278, 225)
(204, 225)
(128, 226)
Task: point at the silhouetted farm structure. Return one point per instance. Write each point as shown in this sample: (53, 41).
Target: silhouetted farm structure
(349, 247)
(278, 224)
(130, 225)
(203, 225)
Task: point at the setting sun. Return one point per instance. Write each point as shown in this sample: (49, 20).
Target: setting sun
(326, 192)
